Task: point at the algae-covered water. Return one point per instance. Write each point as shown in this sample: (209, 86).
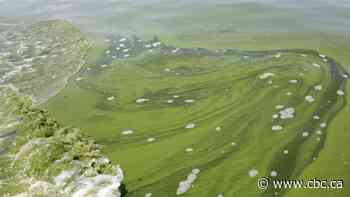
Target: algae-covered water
(191, 98)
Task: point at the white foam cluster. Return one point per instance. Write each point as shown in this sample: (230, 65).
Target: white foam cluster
(316, 117)
(142, 100)
(277, 128)
(175, 50)
(190, 126)
(287, 113)
(318, 88)
(63, 177)
(252, 173)
(316, 65)
(279, 106)
(293, 81)
(187, 184)
(323, 125)
(101, 185)
(68, 183)
(127, 132)
(123, 40)
(156, 44)
(148, 195)
(310, 99)
(189, 101)
(266, 75)
(111, 98)
(273, 173)
(340, 92)
(305, 134)
(275, 116)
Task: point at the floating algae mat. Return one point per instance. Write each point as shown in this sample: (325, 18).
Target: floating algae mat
(201, 123)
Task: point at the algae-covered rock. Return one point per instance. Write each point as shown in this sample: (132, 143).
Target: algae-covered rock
(47, 159)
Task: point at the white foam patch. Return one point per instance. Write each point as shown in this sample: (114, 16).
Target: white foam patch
(316, 117)
(279, 106)
(310, 99)
(64, 176)
(142, 100)
(275, 116)
(79, 186)
(156, 44)
(189, 101)
(111, 98)
(102, 185)
(287, 113)
(277, 128)
(190, 126)
(340, 92)
(187, 184)
(266, 75)
(316, 65)
(305, 134)
(253, 173)
(293, 81)
(318, 88)
(127, 132)
(273, 173)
